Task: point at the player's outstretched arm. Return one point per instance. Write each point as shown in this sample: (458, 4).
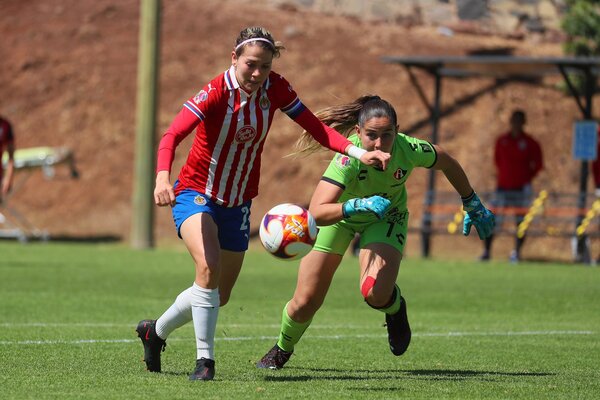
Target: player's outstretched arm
(477, 214)
(332, 139)
(375, 158)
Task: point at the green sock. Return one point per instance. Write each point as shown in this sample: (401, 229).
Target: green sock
(291, 331)
(394, 305)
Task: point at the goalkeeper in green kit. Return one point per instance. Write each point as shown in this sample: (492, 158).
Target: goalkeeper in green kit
(354, 198)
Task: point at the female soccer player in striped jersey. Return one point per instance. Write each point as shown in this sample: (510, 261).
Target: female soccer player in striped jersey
(353, 198)
(212, 196)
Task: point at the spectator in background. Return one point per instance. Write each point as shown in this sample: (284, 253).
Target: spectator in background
(518, 159)
(7, 142)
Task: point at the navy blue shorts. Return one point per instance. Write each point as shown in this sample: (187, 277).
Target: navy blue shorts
(233, 222)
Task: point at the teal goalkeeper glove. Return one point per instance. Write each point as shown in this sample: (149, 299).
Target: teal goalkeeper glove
(477, 215)
(375, 204)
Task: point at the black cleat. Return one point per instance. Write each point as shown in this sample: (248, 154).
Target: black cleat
(274, 359)
(398, 330)
(153, 344)
(205, 370)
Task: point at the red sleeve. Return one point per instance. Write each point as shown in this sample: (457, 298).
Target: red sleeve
(596, 172)
(323, 134)
(537, 162)
(596, 166)
(497, 153)
(183, 124)
(7, 127)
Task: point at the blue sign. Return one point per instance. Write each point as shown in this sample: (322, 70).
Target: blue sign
(585, 140)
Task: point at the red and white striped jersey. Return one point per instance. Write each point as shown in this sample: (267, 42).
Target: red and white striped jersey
(231, 128)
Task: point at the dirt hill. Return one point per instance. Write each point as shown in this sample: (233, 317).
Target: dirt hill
(68, 78)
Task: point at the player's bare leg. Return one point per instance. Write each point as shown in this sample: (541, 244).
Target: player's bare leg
(200, 235)
(380, 264)
(314, 278)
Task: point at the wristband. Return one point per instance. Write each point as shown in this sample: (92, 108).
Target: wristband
(356, 152)
(469, 197)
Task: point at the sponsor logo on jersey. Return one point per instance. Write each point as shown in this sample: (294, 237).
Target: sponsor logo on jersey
(396, 216)
(400, 173)
(245, 134)
(343, 160)
(201, 96)
(264, 102)
(199, 200)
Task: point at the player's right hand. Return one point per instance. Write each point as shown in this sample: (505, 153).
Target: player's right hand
(164, 195)
(375, 204)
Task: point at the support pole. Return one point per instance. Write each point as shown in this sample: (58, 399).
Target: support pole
(142, 236)
(430, 195)
(583, 252)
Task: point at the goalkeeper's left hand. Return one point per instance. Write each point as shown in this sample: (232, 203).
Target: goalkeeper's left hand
(477, 215)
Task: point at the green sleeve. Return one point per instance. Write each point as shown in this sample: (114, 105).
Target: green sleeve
(419, 152)
(342, 170)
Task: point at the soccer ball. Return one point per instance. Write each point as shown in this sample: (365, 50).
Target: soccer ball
(288, 231)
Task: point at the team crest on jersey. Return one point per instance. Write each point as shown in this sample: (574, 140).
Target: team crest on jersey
(200, 97)
(400, 173)
(199, 200)
(343, 160)
(245, 134)
(264, 102)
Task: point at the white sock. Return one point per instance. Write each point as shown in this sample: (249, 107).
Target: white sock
(179, 314)
(205, 309)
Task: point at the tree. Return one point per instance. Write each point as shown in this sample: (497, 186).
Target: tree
(581, 23)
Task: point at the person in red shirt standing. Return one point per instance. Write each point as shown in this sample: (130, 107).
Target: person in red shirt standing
(212, 196)
(7, 142)
(518, 159)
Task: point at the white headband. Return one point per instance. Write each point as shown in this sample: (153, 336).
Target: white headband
(243, 42)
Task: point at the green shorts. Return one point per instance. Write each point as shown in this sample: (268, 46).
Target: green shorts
(390, 230)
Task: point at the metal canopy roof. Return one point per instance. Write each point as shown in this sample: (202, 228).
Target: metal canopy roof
(505, 67)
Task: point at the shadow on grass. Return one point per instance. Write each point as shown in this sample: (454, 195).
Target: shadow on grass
(309, 374)
(177, 373)
(108, 238)
(466, 374)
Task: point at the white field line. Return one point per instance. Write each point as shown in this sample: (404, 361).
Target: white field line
(326, 337)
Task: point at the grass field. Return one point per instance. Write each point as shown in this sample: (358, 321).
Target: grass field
(480, 331)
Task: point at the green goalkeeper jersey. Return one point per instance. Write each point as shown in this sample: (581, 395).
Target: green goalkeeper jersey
(359, 180)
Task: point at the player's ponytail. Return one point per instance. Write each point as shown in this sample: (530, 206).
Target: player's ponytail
(343, 118)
